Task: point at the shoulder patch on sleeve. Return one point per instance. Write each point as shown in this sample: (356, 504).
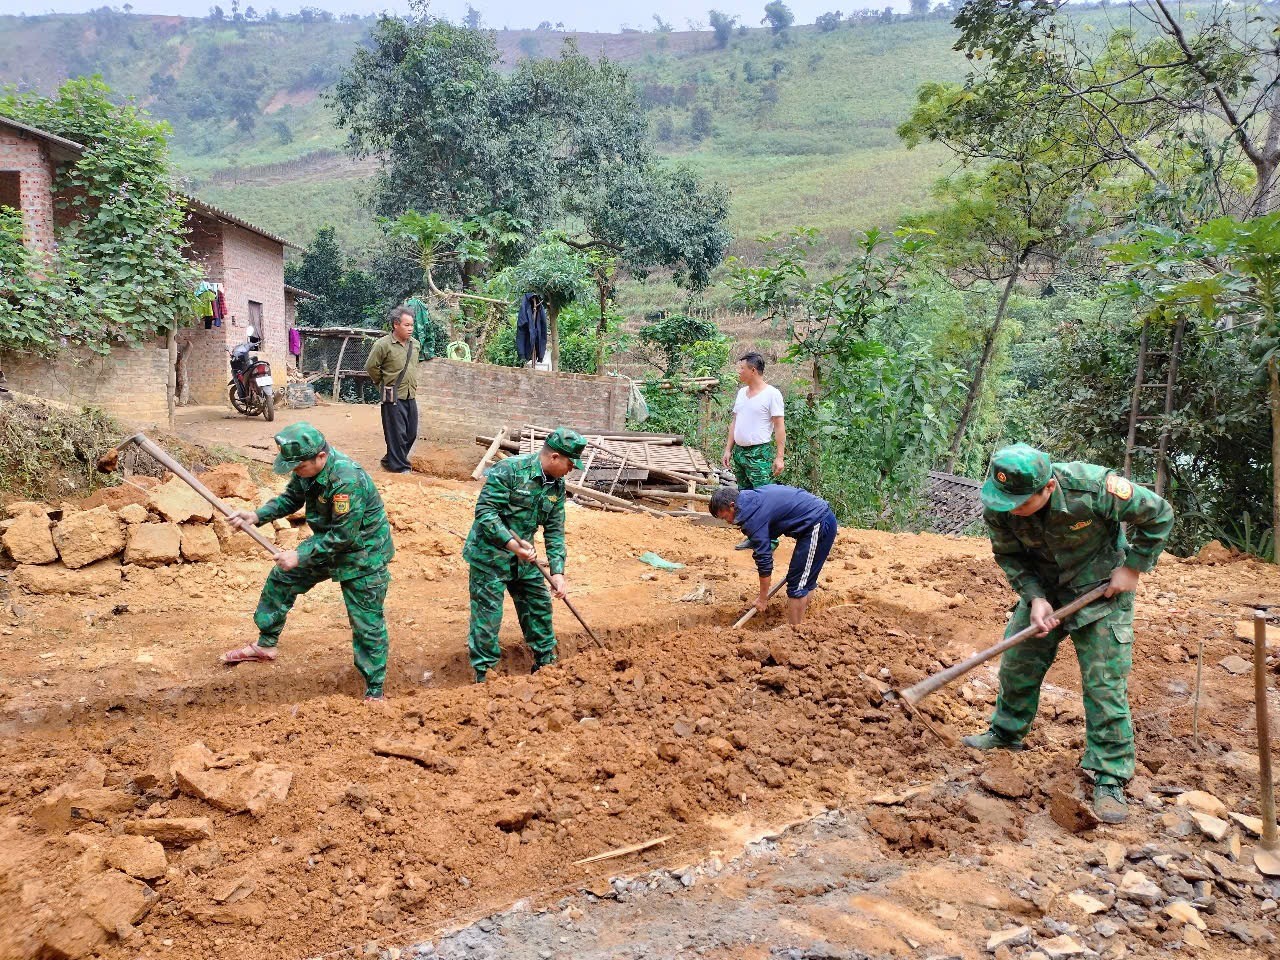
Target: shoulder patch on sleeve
(341, 503)
(1119, 487)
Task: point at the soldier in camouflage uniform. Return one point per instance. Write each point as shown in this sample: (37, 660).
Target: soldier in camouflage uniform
(520, 494)
(350, 543)
(1055, 532)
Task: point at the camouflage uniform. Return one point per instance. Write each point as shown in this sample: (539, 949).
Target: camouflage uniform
(517, 498)
(350, 543)
(1059, 553)
(753, 466)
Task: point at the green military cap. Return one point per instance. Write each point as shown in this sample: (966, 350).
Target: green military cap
(297, 442)
(1017, 473)
(569, 442)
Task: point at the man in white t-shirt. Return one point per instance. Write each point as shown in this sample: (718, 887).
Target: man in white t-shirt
(756, 447)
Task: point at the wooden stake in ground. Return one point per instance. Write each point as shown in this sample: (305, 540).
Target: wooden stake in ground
(489, 454)
(1267, 857)
(1195, 709)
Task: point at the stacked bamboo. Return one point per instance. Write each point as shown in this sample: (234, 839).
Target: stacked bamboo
(654, 473)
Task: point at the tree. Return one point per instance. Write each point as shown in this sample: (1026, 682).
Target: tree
(647, 218)
(700, 124)
(722, 24)
(346, 296)
(472, 20)
(919, 8)
(1228, 271)
(778, 16)
(660, 25)
(876, 409)
(457, 137)
(1190, 102)
(1018, 207)
(828, 22)
(216, 14)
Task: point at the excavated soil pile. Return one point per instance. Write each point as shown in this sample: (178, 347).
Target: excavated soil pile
(489, 789)
(155, 804)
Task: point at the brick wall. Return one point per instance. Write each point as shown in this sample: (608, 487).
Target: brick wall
(250, 267)
(129, 382)
(457, 400)
(30, 159)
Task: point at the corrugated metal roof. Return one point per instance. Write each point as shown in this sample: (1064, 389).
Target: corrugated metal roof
(195, 203)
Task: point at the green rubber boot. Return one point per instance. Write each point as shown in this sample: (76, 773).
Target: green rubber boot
(480, 676)
(990, 741)
(1109, 803)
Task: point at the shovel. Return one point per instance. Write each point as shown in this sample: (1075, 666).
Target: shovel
(108, 461)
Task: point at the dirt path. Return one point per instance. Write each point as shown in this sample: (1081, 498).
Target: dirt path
(682, 727)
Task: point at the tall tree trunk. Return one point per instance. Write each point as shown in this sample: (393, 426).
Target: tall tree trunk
(553, 334)
(815, 442)
(602, 325)
(1273, 379)
(988, 350)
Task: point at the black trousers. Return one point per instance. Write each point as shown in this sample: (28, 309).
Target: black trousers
(400, 430)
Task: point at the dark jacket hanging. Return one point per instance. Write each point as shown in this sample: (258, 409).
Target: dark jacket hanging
(531, 329)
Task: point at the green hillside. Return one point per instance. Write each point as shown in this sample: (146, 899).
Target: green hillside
(802, 132)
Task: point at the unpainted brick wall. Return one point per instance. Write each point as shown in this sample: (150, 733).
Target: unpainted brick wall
(249, 267)
(129, 382)
(30, 159)
(460, 400)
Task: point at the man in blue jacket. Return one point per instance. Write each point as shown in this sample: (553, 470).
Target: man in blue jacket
(774, 511)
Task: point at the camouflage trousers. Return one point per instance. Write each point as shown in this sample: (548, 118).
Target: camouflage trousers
(533, 607)
(364, 597)
(1104, 649)
(753, 466)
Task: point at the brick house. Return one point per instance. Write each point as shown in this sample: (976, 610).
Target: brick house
(247, 261)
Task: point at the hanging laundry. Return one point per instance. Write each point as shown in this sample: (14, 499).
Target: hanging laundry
(422, 331)
(219, 308)
(295, 341)
(206, 294)
(531, 329)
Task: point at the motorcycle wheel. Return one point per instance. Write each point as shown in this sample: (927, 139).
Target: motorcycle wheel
(236, 403)
(269, 406)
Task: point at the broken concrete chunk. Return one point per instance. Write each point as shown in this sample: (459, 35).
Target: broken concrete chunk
(1183, 912)
(29, 539)
(1203, 802)
(1015, 937)
(1235, 665)
(1061, 947)
(116, 900)
(153, 544)
(87, 536)
(172, 831)
(1086, 903)
(1139, 888)
(1211, 827)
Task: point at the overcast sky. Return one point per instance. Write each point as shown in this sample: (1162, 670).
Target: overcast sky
(575, 14)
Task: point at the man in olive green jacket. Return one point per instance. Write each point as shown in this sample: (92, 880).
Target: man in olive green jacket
(1056, 533)
(393, 368)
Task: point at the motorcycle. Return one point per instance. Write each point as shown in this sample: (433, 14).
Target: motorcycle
(250, 389)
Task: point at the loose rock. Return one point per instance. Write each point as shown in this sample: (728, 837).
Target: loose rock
(139, 857)
(87, 536)
(1070, 812)
(1139, 888)
(153, 544)
(172, 831)
(1211, 827)
(97, 579)
(178, 503)
(1203, 802)
(29, 539)
(1016, 937)
(116, 900)
(199, 543)
(1059, 947)
(1183, 912)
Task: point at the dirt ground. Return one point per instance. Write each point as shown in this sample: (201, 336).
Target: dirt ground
(904, 844)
